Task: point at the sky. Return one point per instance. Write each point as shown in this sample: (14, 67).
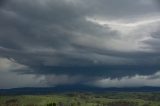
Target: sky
(102, 43)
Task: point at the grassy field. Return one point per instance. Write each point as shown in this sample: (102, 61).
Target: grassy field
(83, 99)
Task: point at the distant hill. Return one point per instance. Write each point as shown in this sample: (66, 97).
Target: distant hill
(74, 88)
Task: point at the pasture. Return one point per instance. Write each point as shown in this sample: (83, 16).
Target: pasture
(83, 99)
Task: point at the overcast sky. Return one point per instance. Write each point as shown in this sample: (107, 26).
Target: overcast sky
(103, 43)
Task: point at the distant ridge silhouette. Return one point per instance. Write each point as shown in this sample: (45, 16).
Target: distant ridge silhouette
(74, 88)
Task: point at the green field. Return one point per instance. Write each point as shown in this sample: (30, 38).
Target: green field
(83, 99)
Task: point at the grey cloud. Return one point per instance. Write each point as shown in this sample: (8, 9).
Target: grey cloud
(54, 37)
(154, 42)
(53, 80)
(2, 2)
(48, 25)
(137, 80)
(6, 75)
(122, 9)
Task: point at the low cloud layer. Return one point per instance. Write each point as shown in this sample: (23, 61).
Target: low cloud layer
(78, 39)
(126, 81)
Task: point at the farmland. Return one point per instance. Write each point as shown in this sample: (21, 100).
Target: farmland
(83, 99)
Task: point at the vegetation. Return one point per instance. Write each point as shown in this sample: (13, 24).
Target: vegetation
(83, 99)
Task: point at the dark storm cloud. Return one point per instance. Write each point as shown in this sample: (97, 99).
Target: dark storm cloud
(2, 2)
(94, 71)
(55, 37)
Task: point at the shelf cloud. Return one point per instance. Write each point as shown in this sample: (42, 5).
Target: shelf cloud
(79, 41)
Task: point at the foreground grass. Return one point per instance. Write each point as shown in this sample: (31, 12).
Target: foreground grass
(83, 99)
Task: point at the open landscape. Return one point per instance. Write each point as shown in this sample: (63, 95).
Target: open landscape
(79, 52)
(83, 99)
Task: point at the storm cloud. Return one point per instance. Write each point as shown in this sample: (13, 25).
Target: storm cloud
(57, 42)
